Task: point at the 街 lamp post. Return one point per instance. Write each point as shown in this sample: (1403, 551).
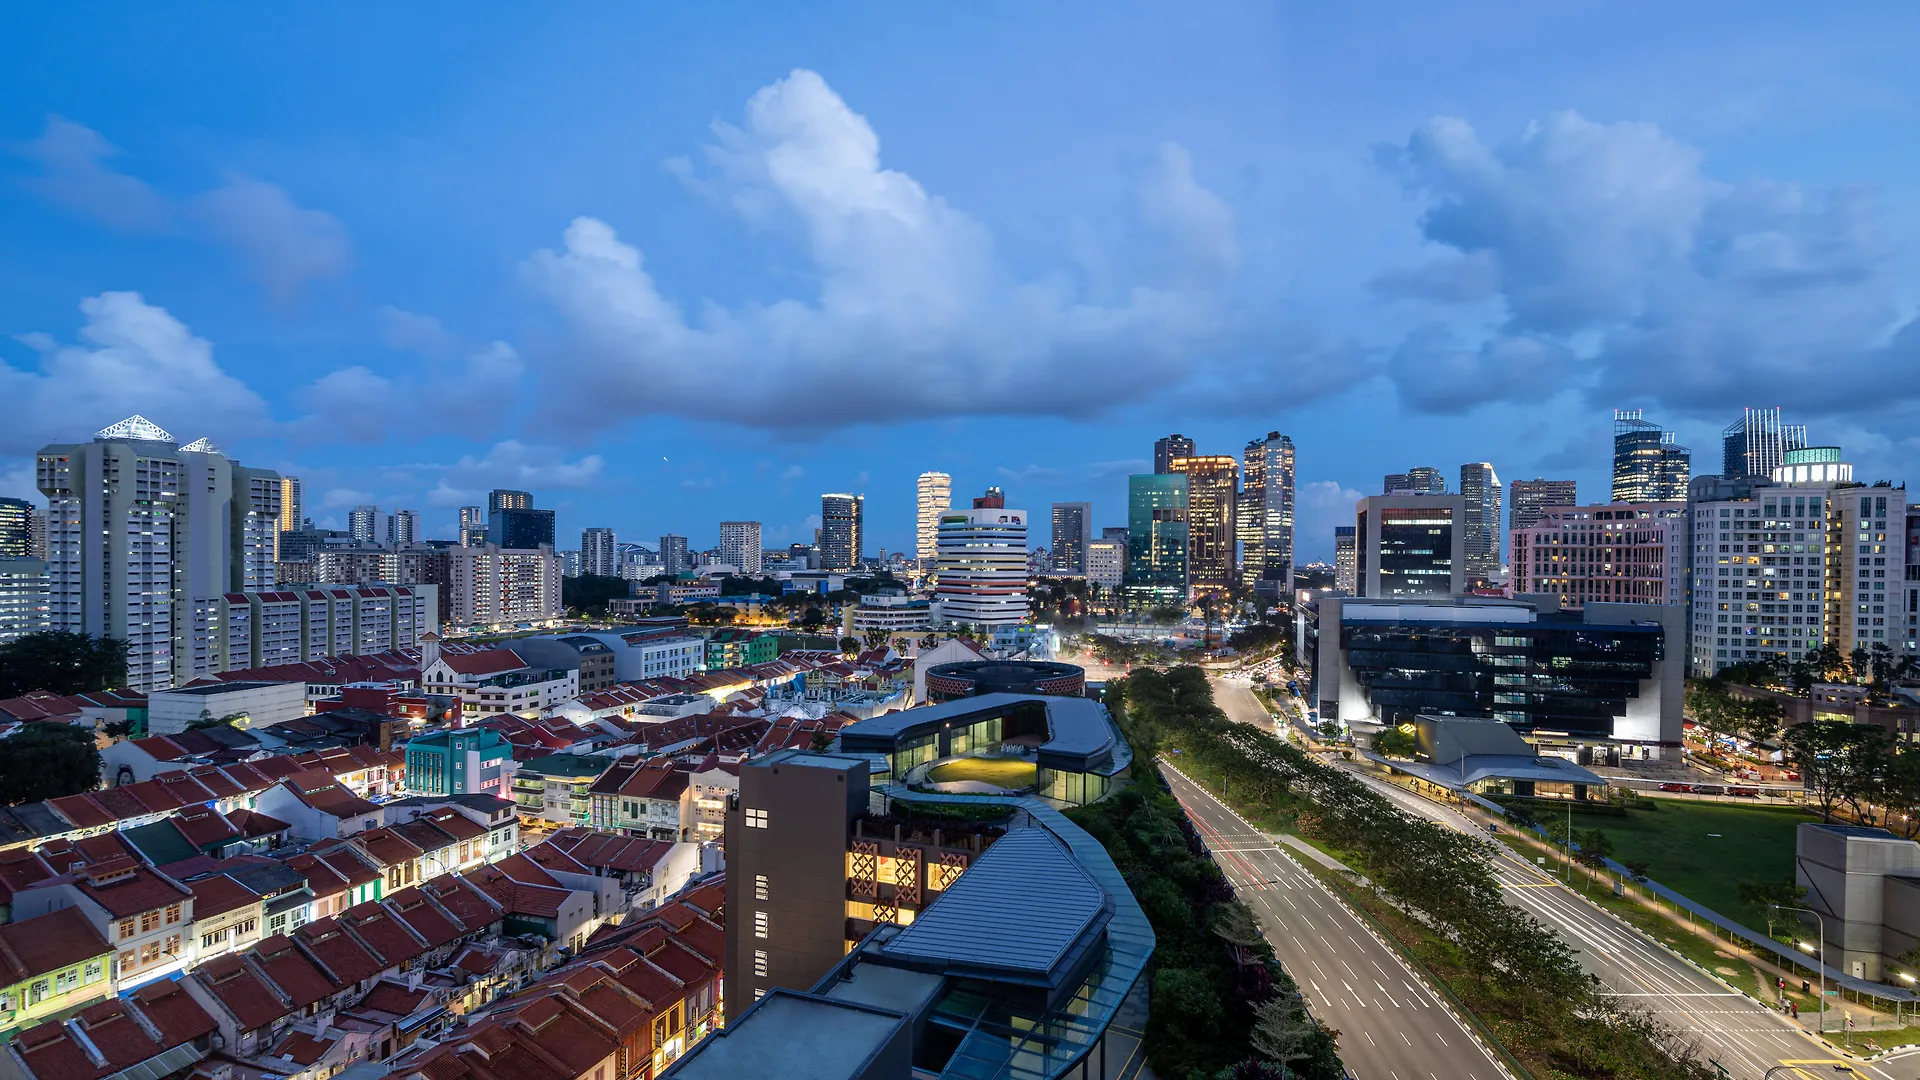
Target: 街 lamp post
(1820, 971)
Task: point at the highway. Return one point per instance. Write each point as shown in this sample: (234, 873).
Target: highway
(1741, 1034)
(1392, 1026)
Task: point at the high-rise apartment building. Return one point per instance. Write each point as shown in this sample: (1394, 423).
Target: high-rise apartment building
(496, 588)
(1419, 480)
(1648, 465)
(1157, 543)
(1212, 543)
(403, 527)
(37, 534)
(1344, 559)
(983, 564)
(473, 526)
(520, 528)
(1410, 545)
(293, 505)
(1266, 514)
(1480, 487)
(1527, 499)
(507, 499)
(1072, 533)
(145, 534)
(842, 531)
(363, 522)
(740, 546)
(1107, 562)
(599, 554)
(1757, 443)
(23, 597)
(1616, 553)
(1166, 449)
(933, 495)
(673, 554)
(16, 529)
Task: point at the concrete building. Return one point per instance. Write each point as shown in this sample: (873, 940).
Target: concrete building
(1419, 480)
(1072, 533)
(842, 531)
(1266, 515)
(403, 527)
(933, 496)
(983, 564)
(469, 761)
(23, 597)
(140, 528)
(673, 555)
(473, 526)
(1168, 448)
(1480, 536)
(740, 546)
(1611, 676)
(1410, 545)
(1648, 465)
(1345, 560)
(496, 587)
(1527, 499)
(1624, 553)
(248, 704)
(37, 535)
(1756, 444)
(363, 522)
(520, 528)
(889, 611)
(1866, 884)
(301, 624)
(598, 553)
(1212, 540)
(1157, 549)
(16, 529)
(1106, 562)
(640, 654)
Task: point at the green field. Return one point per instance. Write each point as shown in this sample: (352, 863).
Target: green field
(1012, 773)
(1754, 844)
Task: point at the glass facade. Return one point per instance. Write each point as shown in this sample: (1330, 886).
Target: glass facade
(1577, 678)
(1648, 465)
(1157, 538)
(1416, 546)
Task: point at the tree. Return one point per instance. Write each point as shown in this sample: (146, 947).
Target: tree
(46, 761)
(1283, 1030)
(876, 637)
(849, 646)
(1595, 848)
(1393, 742)
(589, 593)
(821, 741)
(61, 662)
(1766, 898)
(1713, 708)
(1838, 761)
(1899, 791)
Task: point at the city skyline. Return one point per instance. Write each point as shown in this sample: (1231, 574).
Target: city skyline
(255, 285)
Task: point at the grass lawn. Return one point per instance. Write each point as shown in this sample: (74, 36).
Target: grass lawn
(1755, 843)
(1012, 773)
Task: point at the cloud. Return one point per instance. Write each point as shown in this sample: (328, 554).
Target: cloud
(1054, 476)
(1436, 372)
(1318, 507)
(417, 333)
(74, 172)
(509, 464)
(357, 404)
(905, 283)
(792, 472)
(343, 498)
(132, 357)
(1611, 242)
(284, 245)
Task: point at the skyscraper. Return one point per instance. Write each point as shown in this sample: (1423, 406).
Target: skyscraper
(1480, 487)
(363, 523)
(1526, 499)
(673, 555)
(1754, 445)
(842, 531)
(1165, 450)
(23, 597)
(1343, 559)
(1410, 545)
(1156, 540)
(933, 496)
(292, 510)
(506, 499)
(16, 528)
(1072, 532)
(1266, 514)
(37, 534)
(1212, 486)
(740, 546)
(520, 528)
(599, 554)
(983, 564)
(403, 527)
(1648, 465)
(1419, 480)
(473, 526)
(144, 537)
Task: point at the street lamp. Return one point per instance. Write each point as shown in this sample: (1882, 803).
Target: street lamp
(1820, 971)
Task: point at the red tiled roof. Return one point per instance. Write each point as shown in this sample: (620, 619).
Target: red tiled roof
(217, 894)
(606, 850)
(473, 907)
(491, 662)
(291, 971)
(253, 823)
(427, 921)
(301, 1048)
(386, 935)
(82, 810)
(124, 888)
(47, 943)
(239, 987)
(346, 960)
(386, 847)
(392, 998)
(172, 1010)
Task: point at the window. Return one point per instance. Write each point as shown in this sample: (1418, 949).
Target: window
(756, 819)
(94, 970)
(66, 981)
(37, 993)
(760, 924)
(149, 952)
(173, 914)
(758, 993)
(126, 960)
(759, 886)
(126, 928)
(759, 963)
(172, 945)
(149, 920)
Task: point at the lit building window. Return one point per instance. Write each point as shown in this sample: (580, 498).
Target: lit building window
(760, 963)
(760, 924)
(759, 886)
(756, 819)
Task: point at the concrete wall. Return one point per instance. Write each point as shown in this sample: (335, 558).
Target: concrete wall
(173, 711)
(1844, 870)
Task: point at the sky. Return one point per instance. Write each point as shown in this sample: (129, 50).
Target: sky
(668, 265)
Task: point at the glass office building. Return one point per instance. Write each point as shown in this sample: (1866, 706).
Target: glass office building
(1157, 549)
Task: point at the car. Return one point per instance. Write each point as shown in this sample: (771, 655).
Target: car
(1709, 789)
(1676, 787)
(1748, 792)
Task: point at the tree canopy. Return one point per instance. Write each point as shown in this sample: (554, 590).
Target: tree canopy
(589, 593)
(46, 761)
(61, 662)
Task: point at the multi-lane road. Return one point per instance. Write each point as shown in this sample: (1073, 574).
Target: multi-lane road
(1392, 1026)
(1745, 1037)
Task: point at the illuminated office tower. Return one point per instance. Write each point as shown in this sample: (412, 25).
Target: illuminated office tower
(1266, 514)
(1757, 443)
(1165, 450)
(1212, 489)
(1648, 465)
(932, 497)
(1480, 487)
(1157, 548)
(842, 531)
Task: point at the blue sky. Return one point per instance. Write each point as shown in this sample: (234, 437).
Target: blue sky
(670, 267)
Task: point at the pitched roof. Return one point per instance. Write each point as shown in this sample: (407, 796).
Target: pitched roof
(465, 902)
(217, 894)
(605, 850)
(125, 888)
(46, 944)
(291, 971)
(386, 935)
(242, 990)
(491, 662)
(345, 960)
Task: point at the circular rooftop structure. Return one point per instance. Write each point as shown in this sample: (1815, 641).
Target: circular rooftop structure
(972, 678)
